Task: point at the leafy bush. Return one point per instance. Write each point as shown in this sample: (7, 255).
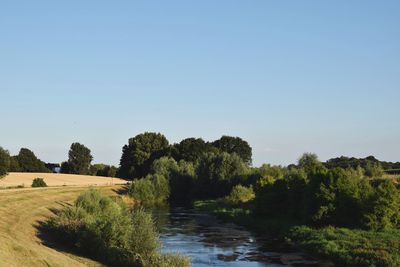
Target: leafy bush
(240, 194)
(39, 182)
(383, 208)
(318, 196)
(181, 176)
(106, 229)
(374, 169)
(154, 188)
(218, 173)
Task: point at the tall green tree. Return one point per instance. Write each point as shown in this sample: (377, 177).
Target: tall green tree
(236, 145)
(79, 159)
(14, 164)
(181, 176)
(64, 167)
(190, 149)
(4, 162)
(309, 162)
(28, 162)
(140, 152)
(218, 173)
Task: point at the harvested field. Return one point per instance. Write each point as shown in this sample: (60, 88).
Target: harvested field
(15, 179)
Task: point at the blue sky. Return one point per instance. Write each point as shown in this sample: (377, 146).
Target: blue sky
(287, 76)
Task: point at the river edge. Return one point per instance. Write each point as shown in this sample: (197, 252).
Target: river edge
(213, 241)
(274, 232)
(331, 245)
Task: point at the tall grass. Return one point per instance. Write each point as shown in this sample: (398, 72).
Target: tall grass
(350, 246)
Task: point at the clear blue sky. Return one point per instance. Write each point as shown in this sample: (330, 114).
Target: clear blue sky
(287, 76)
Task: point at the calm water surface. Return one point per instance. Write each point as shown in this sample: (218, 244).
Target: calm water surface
(211, 242)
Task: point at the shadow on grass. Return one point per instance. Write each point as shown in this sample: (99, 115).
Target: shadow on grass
(49, 237)
(53, 239)
(123, 190)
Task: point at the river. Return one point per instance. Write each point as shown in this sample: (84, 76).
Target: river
(211, 242)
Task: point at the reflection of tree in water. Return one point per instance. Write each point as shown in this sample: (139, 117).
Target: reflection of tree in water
(175, 220)
(208, 241)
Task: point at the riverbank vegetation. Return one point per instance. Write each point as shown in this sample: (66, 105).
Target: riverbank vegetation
(108, 231)
(351, 218)
(345, 209)
(309, 204)
(349, 246)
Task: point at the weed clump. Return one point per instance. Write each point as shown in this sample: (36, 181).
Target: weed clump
(39, 182)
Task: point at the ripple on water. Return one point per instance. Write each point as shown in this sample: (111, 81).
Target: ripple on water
(209, 242)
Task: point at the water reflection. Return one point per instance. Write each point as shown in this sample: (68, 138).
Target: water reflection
(210, 242)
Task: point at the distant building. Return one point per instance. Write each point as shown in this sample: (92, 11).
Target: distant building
(54, 167)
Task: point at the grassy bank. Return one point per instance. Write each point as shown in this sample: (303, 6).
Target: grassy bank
(21, 210)
(350, 246)
(343, 246)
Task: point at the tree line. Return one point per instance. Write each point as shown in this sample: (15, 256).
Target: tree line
(25, 161)
(79, 162)
(143, 149)
(341, 192)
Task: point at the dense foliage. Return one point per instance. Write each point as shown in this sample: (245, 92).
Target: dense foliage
(39, 182)
(4, 162)
(191, 149)
(14, 164)
(350, 247)
(236, 145)
(218, 173)
(214, 175)
(326, 196)
(103, 170)
(315, 195)
(139, 154)
(28, 162)
(346, 162)
(152, 189)
(192, 168)
(108, 231)
(240, 194)
(360, 198)
(142, 150)
(181, 177)
(79, 159)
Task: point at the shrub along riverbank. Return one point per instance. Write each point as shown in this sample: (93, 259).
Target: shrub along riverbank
(353, 247)
(108, 231)
(350, 207)
(360, 201)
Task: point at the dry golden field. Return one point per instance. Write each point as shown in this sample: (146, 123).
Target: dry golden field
(14, 179)
(21, 210)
